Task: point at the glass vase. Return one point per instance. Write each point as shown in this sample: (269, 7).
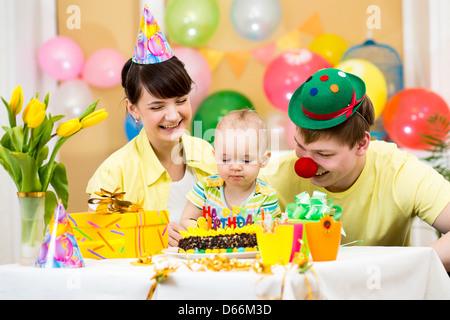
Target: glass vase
(32, 207)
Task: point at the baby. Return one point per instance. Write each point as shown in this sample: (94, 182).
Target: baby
(240, 150)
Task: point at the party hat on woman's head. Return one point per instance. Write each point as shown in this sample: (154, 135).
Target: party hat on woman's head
(151, 45)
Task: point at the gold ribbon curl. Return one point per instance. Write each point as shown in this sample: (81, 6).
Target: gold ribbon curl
(112, 202)
(159, 276)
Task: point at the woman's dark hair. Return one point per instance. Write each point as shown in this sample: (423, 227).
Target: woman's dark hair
(164, 80)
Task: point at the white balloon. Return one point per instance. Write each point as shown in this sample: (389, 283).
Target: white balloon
(256, 19)
(71, 98)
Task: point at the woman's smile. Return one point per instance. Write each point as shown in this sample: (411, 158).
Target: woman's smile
(171, 127)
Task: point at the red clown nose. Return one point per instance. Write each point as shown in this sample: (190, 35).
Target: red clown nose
(306, 167)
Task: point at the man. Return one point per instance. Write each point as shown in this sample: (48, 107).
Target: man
(379, 188)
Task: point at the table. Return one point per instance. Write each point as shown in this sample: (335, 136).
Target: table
(358, 273)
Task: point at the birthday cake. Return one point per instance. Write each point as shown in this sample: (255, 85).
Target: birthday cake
(199, 240)
(213, 233)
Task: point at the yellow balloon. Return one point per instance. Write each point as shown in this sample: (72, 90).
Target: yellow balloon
(376, 86)
(330, 46)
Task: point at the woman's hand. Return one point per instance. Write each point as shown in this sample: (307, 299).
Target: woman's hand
(174, 234)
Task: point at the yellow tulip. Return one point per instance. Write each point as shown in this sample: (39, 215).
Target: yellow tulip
(16, 102)
(34, 113)
(68, 128)
(94, 118)
(28, 107)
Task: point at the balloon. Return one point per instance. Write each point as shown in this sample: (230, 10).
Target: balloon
(291, 131)
(200, 72)
(131, 128)
(71, 98)
(103, 68)
(192, 23)
(407, 113)
(287, 72)
(61, 58)
(256, 19)
(213, 108)
(385, 58)
(376, 87)
(329, 46)
(276, 122)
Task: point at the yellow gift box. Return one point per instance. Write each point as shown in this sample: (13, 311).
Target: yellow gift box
(120, 235)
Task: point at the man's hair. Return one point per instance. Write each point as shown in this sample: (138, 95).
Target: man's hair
(350, 132)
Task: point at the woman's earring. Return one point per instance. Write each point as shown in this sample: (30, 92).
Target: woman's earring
(137, 123)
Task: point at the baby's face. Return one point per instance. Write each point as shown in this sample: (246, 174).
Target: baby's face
(238, 156)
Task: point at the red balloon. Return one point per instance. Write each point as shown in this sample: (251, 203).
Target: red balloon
(306, 167)
(287, 72)
(406, 113)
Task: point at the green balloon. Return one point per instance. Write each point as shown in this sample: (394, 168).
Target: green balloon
(192, 23)
(213, 108)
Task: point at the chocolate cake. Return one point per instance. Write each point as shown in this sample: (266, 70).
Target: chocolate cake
(198, 240)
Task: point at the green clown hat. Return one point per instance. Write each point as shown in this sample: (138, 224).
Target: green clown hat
(326, 99)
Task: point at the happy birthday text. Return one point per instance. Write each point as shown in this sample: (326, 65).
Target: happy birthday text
(231, 218)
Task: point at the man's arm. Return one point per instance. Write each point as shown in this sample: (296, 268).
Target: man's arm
(442, 246)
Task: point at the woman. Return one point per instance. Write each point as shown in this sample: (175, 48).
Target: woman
(161, 164)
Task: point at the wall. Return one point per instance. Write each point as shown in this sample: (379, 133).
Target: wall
(345, 18)
(104, 23)
(114, 23)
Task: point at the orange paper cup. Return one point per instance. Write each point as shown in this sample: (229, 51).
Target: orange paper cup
(322, 245)
(275, 248)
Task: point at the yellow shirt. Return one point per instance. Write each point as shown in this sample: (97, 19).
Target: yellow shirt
(393, 188)
(137, 171)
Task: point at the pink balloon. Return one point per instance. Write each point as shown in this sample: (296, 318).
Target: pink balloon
(61, 58)
(291, 131)
(287, 72)
(200, 72)
(103, 68)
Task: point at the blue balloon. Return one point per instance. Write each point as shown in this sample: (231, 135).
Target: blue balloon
(132, 128)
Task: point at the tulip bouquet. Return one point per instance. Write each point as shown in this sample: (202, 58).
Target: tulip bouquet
(24, 148)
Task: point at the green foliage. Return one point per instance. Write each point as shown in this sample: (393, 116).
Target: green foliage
(439, 140)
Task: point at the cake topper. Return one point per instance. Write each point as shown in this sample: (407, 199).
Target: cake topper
(268, 224)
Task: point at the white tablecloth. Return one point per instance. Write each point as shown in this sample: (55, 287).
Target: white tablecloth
(358, 273)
